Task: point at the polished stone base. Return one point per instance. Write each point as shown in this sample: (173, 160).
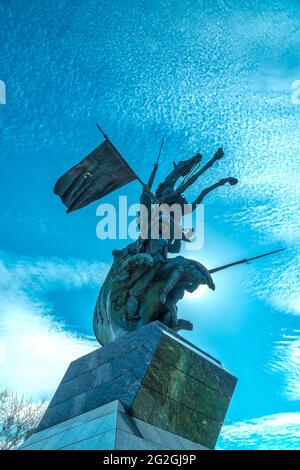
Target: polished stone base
(149, 389)
(108, 427)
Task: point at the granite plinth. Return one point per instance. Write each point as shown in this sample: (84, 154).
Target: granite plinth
(159, 380)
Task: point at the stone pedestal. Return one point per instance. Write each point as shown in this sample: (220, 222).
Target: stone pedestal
(150, 389)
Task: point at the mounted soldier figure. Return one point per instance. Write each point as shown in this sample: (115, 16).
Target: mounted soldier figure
(143, 283)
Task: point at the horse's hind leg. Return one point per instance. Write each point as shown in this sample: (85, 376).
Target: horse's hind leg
(170, 283)
(169, 318)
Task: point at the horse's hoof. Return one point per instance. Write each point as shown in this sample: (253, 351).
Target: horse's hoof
(219, 154)
(183, 325)
(232, 181)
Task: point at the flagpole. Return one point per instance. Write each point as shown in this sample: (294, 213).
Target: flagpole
(160, 149)
(128, 166)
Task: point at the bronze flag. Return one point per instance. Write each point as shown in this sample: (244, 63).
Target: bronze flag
(101, 172)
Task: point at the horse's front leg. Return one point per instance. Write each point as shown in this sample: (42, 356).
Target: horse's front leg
(199, 199)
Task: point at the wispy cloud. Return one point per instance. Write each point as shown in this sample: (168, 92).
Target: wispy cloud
(40, 274)
(286, 359)
(35, 349)
(277, 431)
(279, 285)
(269, 192)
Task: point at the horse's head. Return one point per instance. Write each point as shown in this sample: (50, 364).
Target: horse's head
(183, 167)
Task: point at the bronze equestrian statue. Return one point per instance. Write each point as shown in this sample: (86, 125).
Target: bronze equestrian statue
(143, 284)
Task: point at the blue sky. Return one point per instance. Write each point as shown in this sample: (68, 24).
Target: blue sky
(204, 75)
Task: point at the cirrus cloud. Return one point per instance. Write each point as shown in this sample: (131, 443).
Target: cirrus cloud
(273, 432)
(36, 349)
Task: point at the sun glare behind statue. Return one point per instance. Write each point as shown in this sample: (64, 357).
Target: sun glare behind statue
(199, 292)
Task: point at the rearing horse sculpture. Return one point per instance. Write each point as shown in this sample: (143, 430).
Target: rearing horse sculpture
(143, 284)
